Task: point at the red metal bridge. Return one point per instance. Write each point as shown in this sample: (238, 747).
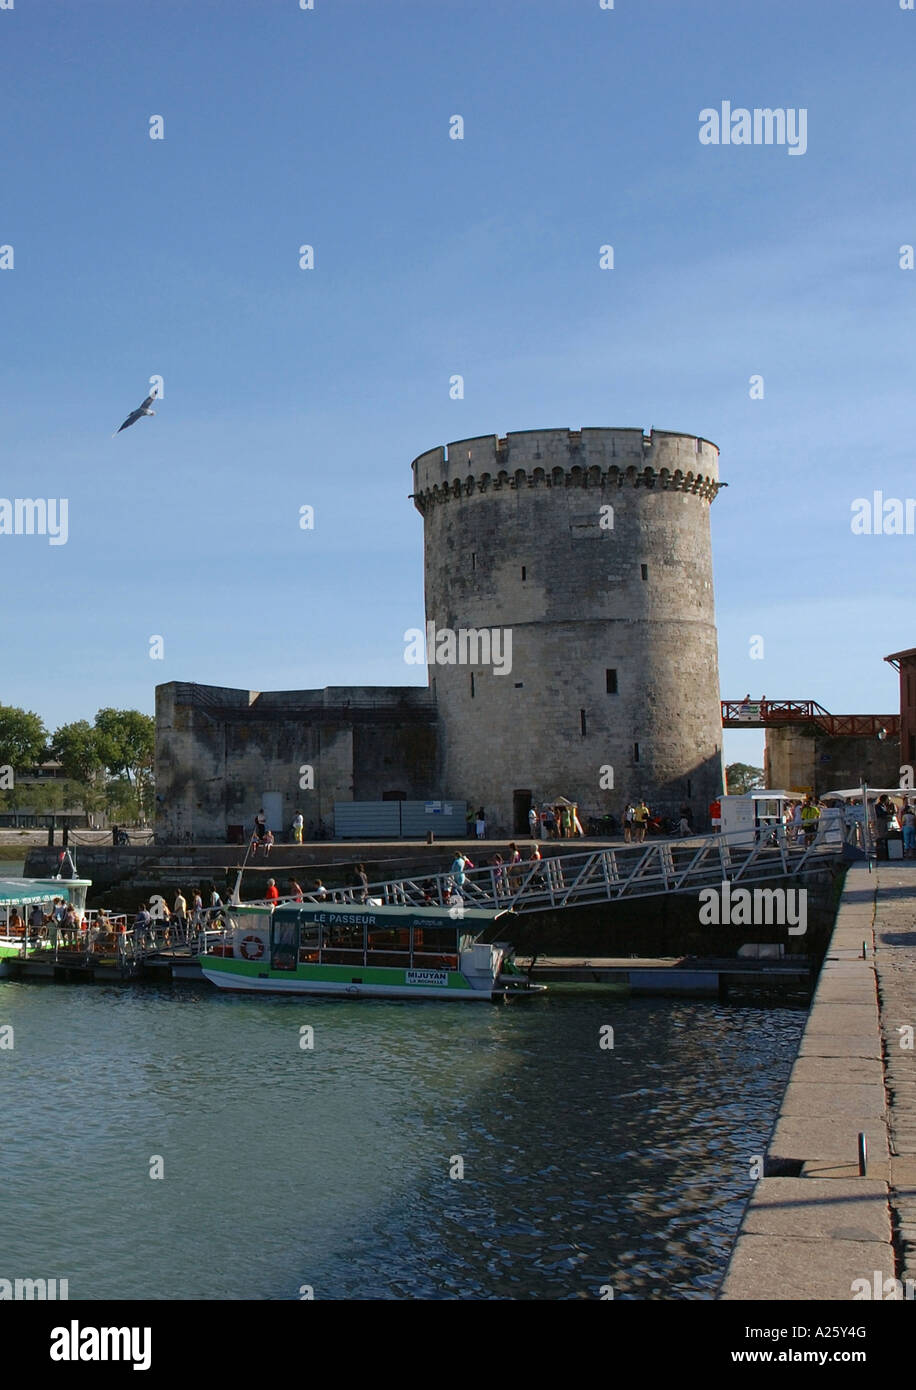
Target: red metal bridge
(766, 714)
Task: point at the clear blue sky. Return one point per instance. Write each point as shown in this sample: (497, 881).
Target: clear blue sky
(286, 387)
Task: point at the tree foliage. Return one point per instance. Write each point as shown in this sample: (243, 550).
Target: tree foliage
(23, 738)
(76, 748)
(741, 778)
(125, 740)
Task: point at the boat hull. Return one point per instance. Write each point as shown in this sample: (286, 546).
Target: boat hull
(236, 975)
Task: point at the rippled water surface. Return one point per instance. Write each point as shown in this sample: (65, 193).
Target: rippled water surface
(284, 1167)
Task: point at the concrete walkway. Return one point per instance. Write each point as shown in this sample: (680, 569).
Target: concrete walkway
(813, 1225)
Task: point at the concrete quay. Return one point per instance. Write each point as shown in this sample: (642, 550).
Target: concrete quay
(813, 1225)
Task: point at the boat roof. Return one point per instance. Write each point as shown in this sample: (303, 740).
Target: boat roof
(38, 890)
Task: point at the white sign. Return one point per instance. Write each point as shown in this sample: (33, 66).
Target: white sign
(427, 977)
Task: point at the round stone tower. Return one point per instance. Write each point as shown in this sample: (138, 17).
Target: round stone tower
(570, 628)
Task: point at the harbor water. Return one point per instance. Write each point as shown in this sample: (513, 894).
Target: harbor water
(412, 1151)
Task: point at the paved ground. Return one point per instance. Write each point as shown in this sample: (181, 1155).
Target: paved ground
(813, 1225)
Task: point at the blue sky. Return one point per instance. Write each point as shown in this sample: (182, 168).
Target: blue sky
(286, 388)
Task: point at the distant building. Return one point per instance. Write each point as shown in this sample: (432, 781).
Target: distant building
(904, 664)
(571, 647)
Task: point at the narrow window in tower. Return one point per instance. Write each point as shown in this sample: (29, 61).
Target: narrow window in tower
(519, 685)
(524, 573)
(473, 559)
(472, 685)
(636, 752)
(689, 787)
(582, 722)
(912, 753)
(611, 678)
(645, 571)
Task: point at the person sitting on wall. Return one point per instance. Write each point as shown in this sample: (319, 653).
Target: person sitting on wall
(259, 832)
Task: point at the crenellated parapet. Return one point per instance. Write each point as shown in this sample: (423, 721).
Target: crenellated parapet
(603, 459)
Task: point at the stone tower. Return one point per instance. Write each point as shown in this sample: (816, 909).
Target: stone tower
(587, 554)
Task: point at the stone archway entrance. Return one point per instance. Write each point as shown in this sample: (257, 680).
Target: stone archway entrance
(521, 805)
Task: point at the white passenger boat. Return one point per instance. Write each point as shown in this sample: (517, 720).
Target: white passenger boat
(357, 950)
(18, 899)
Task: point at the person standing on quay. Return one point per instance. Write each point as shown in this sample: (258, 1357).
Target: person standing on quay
(533, 823)
(481, 824)
(629, 820)
(641, 817)
(298, 823)
(810, 815)
(884, 811)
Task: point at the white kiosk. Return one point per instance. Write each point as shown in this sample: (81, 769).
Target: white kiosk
(744, 817)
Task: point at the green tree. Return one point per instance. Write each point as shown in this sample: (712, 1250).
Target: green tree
(23, 738)
(76, 748)
(741, 778)
(125, 740)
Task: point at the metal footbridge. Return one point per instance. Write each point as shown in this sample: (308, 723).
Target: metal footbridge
(612, 874)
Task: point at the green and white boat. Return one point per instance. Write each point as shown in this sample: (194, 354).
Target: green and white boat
(353, 950)
(18, 897)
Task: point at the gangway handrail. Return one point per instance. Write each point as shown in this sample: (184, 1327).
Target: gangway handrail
(603, 874)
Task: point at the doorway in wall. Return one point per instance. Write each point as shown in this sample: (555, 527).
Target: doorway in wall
(521, 805)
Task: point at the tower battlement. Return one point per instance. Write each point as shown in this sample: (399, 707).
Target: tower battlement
(588, 458)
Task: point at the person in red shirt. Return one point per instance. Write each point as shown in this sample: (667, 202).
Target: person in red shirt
(272, 895)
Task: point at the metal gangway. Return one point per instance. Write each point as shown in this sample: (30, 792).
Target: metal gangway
(613, 874)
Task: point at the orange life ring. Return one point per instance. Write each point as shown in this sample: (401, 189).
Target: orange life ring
(252, 947)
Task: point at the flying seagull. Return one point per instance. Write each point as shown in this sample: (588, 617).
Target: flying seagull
(134, 415)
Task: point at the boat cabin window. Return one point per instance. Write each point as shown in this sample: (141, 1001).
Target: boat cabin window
(435, 946)
(309, 942)
(343, 943)
(284, 946)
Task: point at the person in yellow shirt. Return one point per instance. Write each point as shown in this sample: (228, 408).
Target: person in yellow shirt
(641, 820)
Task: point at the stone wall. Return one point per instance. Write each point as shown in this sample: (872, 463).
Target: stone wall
(218, 751)
(799, 757)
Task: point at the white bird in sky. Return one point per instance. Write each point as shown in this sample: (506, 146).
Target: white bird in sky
(134, 415)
